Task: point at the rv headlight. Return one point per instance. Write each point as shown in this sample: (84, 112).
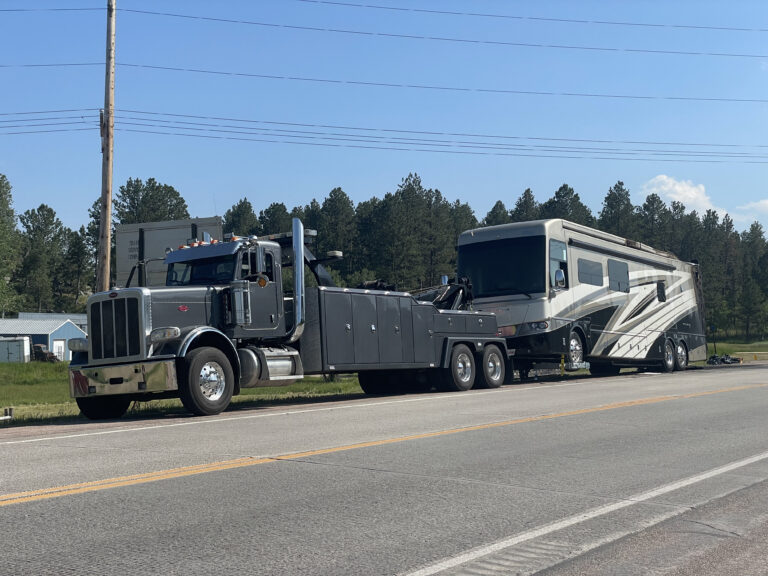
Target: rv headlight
(163, 334)
(538, 325)
(78, 344)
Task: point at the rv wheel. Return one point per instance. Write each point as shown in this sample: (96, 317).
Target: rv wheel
(575, 348)
(668, 362)
(681, 356)
(493, 369)
(207, 381)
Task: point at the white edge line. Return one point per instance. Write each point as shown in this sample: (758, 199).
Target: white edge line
(583, 517)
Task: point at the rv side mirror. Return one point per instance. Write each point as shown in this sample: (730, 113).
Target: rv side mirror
(559, 279)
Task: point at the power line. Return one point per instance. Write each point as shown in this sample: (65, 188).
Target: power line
(302, 136)
(181, 120)
(432, 132)
(585, 156)
(433, 87)
(51, 9)
(535, 18)
(447, 88)
(448, 13)
(447, 39)
(391, 142)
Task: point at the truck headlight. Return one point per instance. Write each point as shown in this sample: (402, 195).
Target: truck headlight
(163, 334)
(78, 344)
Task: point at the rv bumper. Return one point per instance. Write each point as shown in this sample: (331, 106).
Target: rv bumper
(133, 378)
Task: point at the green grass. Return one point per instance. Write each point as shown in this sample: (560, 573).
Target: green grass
(741, 349)
(39, 393)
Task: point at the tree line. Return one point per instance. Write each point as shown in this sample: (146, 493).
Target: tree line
(406, 238)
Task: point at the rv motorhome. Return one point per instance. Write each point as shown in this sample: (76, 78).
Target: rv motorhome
(566, 292)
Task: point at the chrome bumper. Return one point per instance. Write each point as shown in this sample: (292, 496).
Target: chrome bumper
(133, 378)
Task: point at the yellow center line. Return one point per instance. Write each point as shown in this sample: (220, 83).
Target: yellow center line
(134, 479)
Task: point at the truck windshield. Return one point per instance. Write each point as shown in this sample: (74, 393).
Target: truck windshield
(504, 267)
(201, 272)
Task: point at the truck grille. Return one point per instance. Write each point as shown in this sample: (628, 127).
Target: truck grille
(114, 328)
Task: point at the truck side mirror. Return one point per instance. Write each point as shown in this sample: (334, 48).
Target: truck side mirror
(559, 279)
(240, 302)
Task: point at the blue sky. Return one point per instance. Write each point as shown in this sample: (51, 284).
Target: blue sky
(481, 98)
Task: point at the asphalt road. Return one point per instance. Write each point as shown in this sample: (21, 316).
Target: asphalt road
(637, 474)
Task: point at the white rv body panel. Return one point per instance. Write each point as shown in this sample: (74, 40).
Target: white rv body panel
(623, 298)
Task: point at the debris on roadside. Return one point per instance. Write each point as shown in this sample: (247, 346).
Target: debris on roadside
(715, 360)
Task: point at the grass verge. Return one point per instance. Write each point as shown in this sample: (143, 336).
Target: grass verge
(39, 394)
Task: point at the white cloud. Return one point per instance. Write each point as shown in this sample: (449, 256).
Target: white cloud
(693, 196)
(759, 206)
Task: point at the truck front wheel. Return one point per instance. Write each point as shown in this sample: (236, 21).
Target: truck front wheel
(207, 381)
(103, 407)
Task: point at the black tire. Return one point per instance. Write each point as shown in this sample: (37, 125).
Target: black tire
(419, 381)
(492, 367)
(681, 356)
(103, 407)
(460, 376)
(603, 369)
(575, 348)
(668, 360)
(373, 382)
(207, 381)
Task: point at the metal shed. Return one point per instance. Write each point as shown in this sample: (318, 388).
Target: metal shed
(80, 320)
(53, 333)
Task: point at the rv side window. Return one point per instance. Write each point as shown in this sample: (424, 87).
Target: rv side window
(661, 291)
(618, 276)
(590, 272)
(557, 261)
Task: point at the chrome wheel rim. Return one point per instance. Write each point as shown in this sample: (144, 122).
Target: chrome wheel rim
(682, 356)
(212, 381)
(464, 367)
(493, 367)
(576, 351)
(669, 355)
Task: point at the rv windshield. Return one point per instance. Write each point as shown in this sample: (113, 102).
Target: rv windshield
(505, 267)
(201, 272)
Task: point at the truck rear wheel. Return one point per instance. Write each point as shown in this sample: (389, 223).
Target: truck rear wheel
(492, 365)
(460, 376)
(103, 407)
(207, 381)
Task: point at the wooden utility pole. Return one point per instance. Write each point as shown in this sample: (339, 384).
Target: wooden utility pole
(107, 147)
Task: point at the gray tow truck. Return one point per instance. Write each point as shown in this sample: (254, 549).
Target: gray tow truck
(238, 314)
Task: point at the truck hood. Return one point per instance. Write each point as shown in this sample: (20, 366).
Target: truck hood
(184, 306)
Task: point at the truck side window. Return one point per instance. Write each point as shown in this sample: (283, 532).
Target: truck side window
(557, 261)
(269, 268)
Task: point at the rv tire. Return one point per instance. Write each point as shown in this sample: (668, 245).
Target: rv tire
(668, 361)
(492, 367)
(681, 356)
(575, 348)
